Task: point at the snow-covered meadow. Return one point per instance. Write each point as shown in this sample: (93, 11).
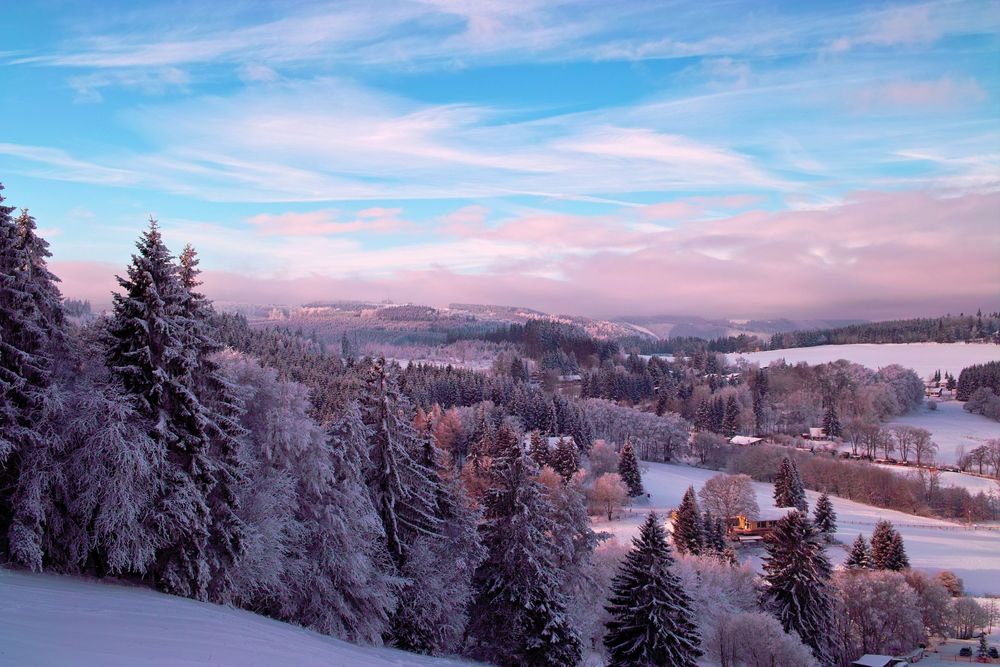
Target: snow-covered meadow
(973, 553)
(924, 358)
(952, 428)
(54, 620)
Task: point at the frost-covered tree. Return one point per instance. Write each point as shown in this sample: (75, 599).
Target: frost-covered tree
(688, 526)
(405, 492)
(153, 351)
(858, 557)
(518, 615)
(788, 489)
(731, 417)
(831, 422)
(564, 459)
(825, 517)
(752, 639)
(316, 552)
(727, 496)
(628, 468)
(887, 549)
(651, 619)
(797, 574)
(30, 316)
(881, 611)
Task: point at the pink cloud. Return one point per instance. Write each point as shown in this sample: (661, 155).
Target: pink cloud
(877, 255)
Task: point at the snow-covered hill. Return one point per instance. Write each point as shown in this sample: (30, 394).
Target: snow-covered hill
(924, 358)
(973, 553)
(53, 620)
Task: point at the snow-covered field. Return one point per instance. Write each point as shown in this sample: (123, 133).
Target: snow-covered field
(972, 483)
(932, 544)
(52, 620)
(952, 428)
(924, 358)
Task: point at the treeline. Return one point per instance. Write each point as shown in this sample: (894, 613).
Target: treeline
(556, 345)
(947, 329)
(978, 376)
(920, 494)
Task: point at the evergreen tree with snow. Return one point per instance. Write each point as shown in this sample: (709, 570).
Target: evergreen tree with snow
(30, 317)
(564, 459)
(983, 652)
(651, 616)
(825, 517)
(518, 615)
(688, 528)
(154, 351)
(797, 573)
(887, 549)
(831, 422)
(859, 557)
(628, 468)
(405, 492)
(221, 412)
(788, 489)
(703, 417)
(731, 418)
(539, 448)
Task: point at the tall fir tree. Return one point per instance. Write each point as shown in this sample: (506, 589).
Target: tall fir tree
(222, 411)
(652, 622)
(859, 557)
(688, 526)
(887, 549)
(405, 492)
(825, 517)
(797, 573)
(564, 459)
(788, 489)
(154, 350)
(628, 468)
(703, 417)
(731, 418)
(831, 422)
(518, 615)
(30, 317)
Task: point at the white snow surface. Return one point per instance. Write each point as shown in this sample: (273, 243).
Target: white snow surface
(59, 620)
(971, 483)
(924, 358)
(972, 552)
(952, 428)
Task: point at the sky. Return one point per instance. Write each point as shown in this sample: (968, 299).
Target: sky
(723, 159)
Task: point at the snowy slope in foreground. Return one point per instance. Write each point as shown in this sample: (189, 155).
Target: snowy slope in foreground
(932, 544)
(924, 358)
(53, 620)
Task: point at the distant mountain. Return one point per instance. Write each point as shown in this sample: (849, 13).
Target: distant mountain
(676, 326)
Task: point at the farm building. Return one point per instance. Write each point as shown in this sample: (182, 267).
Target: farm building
(746, 529)
(745, 440)
(815, 433)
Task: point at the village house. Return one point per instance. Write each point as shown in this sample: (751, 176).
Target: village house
(871, 660)
(745, 440)
(749, 530)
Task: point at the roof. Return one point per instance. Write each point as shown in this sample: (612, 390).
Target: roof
(744, 440)
(871, 660)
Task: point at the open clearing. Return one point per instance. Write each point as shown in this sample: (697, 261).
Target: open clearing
(55, 620)
(924, 358)
(973, 553)
(952, 428)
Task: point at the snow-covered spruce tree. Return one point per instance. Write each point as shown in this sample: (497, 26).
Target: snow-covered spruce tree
(432, 612)
(628, 468)
(518, 615)
(222, 426)
(831, 422)
(731, 418)
(29, 310)
(887, 549)
(108, 469)
(563, 459)
(153, 351)
(825, 517)
(316, 553)
(984, 648)
(897, 560)
(788, 489)
(858, 558)
(703, 417)
(797, 574)
(688, 526)
(651, 619)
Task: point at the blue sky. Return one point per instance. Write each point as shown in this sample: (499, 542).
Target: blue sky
(578, 156)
